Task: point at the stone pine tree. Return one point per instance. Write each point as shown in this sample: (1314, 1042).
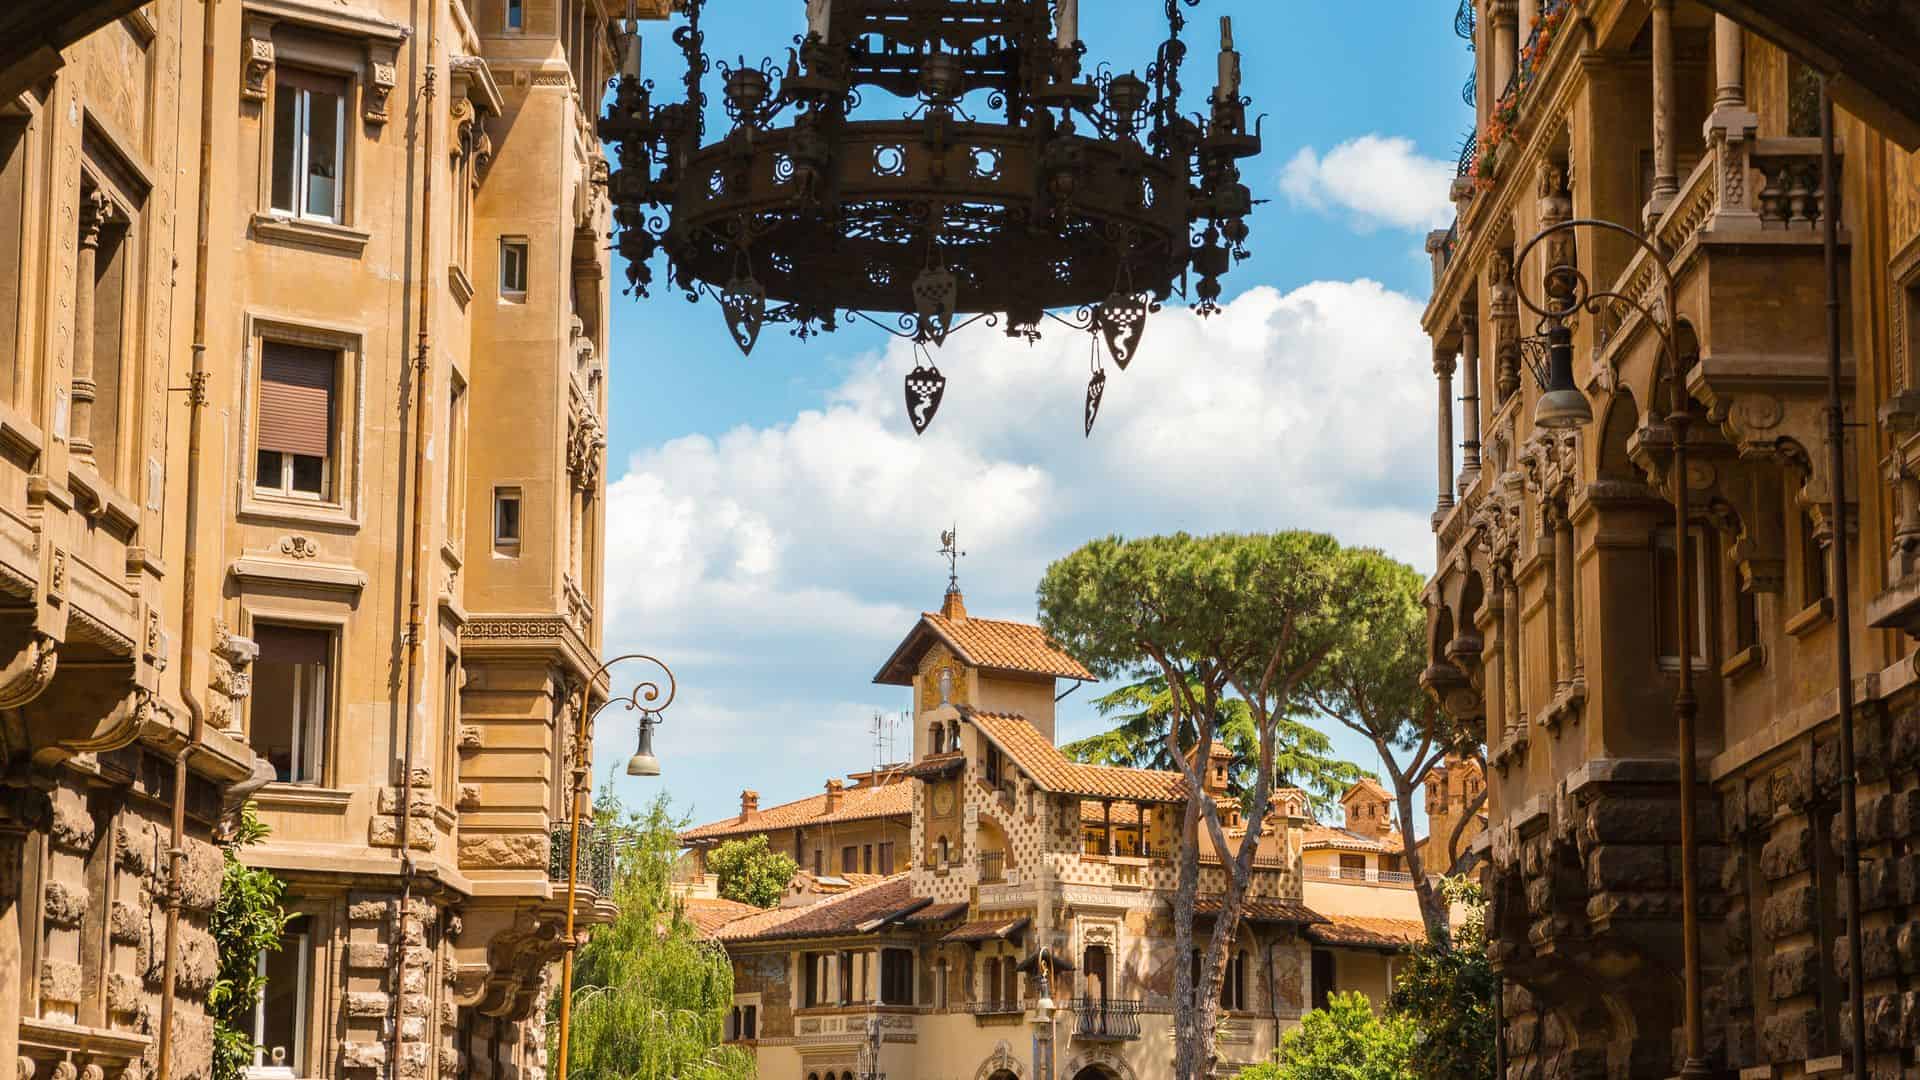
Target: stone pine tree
(1247, 617)
(1372, 687)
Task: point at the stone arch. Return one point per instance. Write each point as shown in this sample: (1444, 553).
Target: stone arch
(1617, 426)
(1086, 1066)
(1001, 1065)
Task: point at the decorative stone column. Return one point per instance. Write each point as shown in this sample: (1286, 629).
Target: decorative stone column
(1504, 17)
(1732, 127)
(1563, 629)
(96, 211)
(1666, 171)
(1516, 718)
(1503, 306)
(1469, 396)
(1443, 364)
(22, 810)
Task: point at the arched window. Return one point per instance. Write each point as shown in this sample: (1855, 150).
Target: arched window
(939, 737)
(1010, 972)
(940, 848)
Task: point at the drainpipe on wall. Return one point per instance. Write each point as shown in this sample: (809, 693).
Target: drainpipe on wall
(190, 561)
(422, 352)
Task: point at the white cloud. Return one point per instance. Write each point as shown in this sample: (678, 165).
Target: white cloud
(1379, 180)
(777, 567)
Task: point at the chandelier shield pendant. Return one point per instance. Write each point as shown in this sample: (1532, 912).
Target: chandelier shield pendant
(744, 302)
(1123, 321)
(908, 146)
(925, 389)
(936, 293)
(1096, 389)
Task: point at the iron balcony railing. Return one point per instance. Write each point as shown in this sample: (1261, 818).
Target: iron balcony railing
(1098, 1018)
(993, 866)
(596, 857)
(995, 1007)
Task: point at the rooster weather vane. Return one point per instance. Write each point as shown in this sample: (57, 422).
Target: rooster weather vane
(1010, 185)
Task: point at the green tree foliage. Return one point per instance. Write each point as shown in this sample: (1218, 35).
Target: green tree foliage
(1218, 618)
(1344, 1041)
(1449, 992)
(1142, 714)
(650, 995)
(751, 872)
(247, 921)
(1371, 685)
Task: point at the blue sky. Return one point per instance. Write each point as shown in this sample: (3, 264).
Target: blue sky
(773, 521)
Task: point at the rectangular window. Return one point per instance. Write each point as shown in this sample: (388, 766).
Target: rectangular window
(280, 1016)
(818, 982)
(309, 144)
(516, 14)
(1353, 867)
(1321, 980)
(292, 691)
(819, 861)
(743, 1023)
(991, 766)
(506, 517)
(295, 445)
(886, 859)
(1813, 563)
(849, 859)
(513, 268)
(896, 976)
(456, 501)
(866, 859)
(1666, 585)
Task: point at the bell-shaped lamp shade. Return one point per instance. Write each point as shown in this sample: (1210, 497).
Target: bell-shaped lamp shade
(1561, 405)
(643, 762)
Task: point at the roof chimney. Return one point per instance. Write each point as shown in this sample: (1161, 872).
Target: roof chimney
(749, 804)
(954, 606)
(834, 788)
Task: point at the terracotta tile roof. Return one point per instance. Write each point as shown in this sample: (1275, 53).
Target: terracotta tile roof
(808, 881)
(1260, 909)
(1055, 772)
(994, 644)
(1323, 836)
(709, 914)
(841, 916)
(937, 766)
(937, 913)
(988, 930)
(1367, 785)
(1360, 932)
(856, 804)
(1093, 812)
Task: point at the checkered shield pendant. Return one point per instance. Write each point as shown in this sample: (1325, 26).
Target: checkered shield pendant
(925, 387)
(744, 302)
(1123, 320)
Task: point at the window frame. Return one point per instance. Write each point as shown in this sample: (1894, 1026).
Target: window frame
(304, 966)
(523, 249)
(342, 503)
(502, 495)
(299, 191)
(1664, 547)
(328, 696)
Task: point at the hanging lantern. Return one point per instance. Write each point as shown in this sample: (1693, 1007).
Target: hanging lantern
(744, 302)
(644, 762)
(925, 387)
(936, 293)
(1561, 403)
(1123, 320)
(1096, 389)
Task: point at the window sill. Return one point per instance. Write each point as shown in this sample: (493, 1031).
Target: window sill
(314, 235)
(266, 509)
(1751, 658)
(281, 795)
(1811, 618)
(508, 296)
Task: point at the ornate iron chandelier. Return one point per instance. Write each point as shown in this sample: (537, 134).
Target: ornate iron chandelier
(1011, 185)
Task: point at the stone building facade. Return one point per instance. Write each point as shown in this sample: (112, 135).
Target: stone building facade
(302, 379)
(1552, 609)
(930, 973)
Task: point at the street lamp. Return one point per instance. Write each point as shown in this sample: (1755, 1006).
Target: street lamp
(1570, 293)
(650, 699)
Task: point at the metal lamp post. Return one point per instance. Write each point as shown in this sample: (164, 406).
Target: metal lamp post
(650, 700)
(1570, 293)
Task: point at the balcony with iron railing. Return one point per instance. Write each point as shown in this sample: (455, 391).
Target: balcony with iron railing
(992, 866)
(995, 1007)
(597, 848)
(1104, 1020)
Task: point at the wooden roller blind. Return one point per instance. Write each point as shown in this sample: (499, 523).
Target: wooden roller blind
(291, 645)
(296, 399)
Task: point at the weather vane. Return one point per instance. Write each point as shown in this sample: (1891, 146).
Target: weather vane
(951, 550)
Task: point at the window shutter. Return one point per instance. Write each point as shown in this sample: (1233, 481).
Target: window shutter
(291, 645)
(296, 399)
